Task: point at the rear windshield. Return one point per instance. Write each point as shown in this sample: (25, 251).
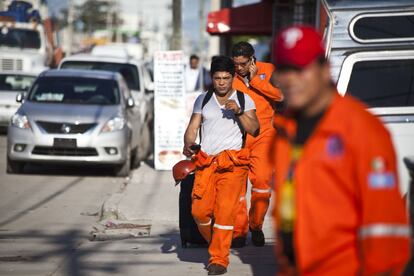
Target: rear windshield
(385, 83)
(128, 71)
(13, 82)
(75, 91)
(19, 38)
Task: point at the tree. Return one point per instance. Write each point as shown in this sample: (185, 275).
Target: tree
(98, 15)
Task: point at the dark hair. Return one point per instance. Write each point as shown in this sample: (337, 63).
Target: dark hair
(243, 48)
(194, 57)
(222, 64)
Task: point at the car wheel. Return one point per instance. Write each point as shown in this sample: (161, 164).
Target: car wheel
(125, 168)
(14, 166)
(135, 158)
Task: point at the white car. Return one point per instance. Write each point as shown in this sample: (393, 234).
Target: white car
(135, 74)
(77, 117)
(11, 84)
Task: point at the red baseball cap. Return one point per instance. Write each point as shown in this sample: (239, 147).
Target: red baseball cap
(297, 46)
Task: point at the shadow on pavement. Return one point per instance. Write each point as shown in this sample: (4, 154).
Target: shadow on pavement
(67, 170)
(191, 254)
(67, 245)
(260, 259)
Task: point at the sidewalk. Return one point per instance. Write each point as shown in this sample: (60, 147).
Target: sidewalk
(152, 198)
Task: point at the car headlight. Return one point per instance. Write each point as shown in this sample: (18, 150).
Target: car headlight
(116, 123)
(20, 121)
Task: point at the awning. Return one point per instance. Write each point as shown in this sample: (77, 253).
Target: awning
(254, 19)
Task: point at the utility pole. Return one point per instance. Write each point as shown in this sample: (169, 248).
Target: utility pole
(109, 21)
(70, 28)
(225, 41)
(201, 45)
(176, 17)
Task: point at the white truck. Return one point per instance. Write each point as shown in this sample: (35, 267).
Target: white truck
(26, 42)
(371, 48)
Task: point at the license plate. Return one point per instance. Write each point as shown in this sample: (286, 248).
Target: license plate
(64, 143)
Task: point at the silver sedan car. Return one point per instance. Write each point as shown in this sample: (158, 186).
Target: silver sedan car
(11, 84)
(76, 116)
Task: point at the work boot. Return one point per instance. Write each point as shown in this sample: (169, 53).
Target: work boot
(258, 238)
(216, 269)
(238, 242)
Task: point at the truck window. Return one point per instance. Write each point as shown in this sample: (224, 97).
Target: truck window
(128, 71)
(12, 82)
(384, 83)
(383, 27)
(19, 38)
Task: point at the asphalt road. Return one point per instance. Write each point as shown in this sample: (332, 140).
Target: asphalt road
(46, 215)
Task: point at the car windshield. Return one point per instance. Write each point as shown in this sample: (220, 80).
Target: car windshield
(72, 90)
(15, 82)
(128, 71)
(385, 83)
(19, 38)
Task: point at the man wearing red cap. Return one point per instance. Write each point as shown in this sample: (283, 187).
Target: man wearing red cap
(338, 207)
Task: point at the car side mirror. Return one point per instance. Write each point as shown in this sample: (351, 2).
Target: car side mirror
(149, 88)
(20, 97)
(130, 102)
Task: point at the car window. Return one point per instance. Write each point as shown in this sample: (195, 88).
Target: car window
(385, 83)
(12, 82)
(75, 91)
(128, 71)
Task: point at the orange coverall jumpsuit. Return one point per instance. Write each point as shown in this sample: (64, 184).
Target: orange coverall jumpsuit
(218, 184)
(264, 94)
(349, 217)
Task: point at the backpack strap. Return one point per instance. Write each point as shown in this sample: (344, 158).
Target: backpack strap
(242, 102)
(207, 98)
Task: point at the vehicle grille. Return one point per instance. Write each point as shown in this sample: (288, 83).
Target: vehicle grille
(40, 150)
(9, 64)
(65, 128)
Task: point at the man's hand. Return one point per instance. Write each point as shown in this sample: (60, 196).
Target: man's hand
(232, 105)
(187, 151)
(252, 69)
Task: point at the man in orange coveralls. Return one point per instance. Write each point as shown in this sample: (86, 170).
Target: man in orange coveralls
(338, 207)
(253, 78)
(222, 163)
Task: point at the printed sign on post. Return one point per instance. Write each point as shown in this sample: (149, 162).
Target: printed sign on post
(169, 108)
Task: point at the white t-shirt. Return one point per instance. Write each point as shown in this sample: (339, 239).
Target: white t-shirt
(220, 129)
